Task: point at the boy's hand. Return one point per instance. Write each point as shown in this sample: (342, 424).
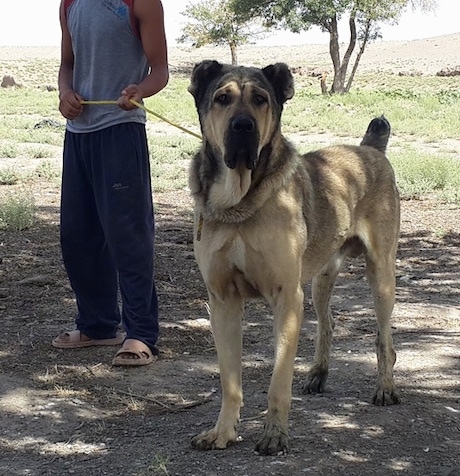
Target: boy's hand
(130, 92)
(70, 104)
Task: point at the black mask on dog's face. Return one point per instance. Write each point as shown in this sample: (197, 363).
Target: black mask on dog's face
(242, 142)
(239, 107)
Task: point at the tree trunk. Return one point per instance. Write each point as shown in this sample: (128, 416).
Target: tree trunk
(334, 49)
(323, 83)
(340, 72)
(234, 54)
(358, 56)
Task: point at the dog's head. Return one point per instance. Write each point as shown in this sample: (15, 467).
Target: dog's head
(240, 107)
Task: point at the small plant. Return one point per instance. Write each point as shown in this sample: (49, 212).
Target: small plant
(451, 194)
(8, 176)
(158, 467)
(8, 150)
(414, 187)
(448, 96)
(17, 211)
(48, 171)
(39, 152)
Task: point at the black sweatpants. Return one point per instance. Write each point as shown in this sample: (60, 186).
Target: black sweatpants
(107, 231)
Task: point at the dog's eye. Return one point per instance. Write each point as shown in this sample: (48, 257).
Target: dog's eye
(259, 99)
(222, 99)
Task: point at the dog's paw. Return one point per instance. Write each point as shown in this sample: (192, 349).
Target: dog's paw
(316, 381)
(386, 397)
(272, 444)
(212, 440)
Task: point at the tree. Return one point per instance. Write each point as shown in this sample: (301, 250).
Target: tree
(214, 22)
(363, 19)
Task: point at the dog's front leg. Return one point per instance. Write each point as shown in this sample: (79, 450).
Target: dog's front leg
(288, 313)
(226, 323)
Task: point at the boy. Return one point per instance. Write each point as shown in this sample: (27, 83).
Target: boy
(110, 50)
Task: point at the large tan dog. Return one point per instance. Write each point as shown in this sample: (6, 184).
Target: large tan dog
(268, 220)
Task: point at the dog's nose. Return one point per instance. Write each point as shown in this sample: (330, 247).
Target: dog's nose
(243, 124)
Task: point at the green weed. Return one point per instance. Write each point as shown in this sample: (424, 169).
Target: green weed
(9, 150)
(17, 211)
(48, 170)
(170, 157)
(422, 109)
(9, 176)
(419, 174)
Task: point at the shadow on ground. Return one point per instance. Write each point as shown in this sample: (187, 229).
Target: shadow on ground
(70, 412)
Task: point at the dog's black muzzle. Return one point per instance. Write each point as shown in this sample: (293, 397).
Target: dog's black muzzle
(242, 142)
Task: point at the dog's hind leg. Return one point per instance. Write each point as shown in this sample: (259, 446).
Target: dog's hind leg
(226, 323)
(287, 306)
(380, 271)
(322, 286)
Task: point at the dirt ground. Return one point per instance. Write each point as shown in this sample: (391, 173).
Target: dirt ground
(70, 412)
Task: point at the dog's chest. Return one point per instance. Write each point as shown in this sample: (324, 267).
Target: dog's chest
(237, 253)
(227, 246)
(224, 248)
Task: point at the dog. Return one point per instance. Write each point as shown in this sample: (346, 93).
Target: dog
(267, 220)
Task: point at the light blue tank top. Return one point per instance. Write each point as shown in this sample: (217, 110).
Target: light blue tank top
(108, 56)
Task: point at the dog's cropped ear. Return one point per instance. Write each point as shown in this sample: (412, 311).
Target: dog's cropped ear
(202, 74)
(282, 81)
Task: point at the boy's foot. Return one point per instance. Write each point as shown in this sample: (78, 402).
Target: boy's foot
(133, 353)
(76, 340)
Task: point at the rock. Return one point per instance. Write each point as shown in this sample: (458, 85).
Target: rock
(9, 82)
(39, 280)
(455, 71)
(47, 123)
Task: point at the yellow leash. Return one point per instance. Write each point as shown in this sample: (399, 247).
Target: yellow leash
(141, 106)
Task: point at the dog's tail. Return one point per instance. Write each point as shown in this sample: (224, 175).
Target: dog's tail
(377, 134)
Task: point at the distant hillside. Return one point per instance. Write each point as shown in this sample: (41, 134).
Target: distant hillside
(427, 56)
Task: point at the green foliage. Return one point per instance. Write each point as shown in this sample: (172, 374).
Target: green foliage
(17, 211)
(422, 111)
(363, 18)
(419, 174)
(8, 176)
(174, 103)
(21, 110)
(215, 22)
(448, 97)
(412, 110)
(170, 158)
(48, 170)
(299, 15)
(8, 149)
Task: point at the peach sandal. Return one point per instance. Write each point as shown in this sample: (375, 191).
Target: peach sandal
(134, 353)
(74, 340)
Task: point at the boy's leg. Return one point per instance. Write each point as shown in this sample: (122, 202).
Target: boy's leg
(126, 210)
(88, 262)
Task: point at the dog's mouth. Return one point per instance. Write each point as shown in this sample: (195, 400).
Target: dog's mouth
(242, 143)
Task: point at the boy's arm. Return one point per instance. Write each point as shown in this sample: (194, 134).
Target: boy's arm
(69, 100)
(150, 17)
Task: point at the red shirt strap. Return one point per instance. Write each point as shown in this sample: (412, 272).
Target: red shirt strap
(67, 4)
(134, 23)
